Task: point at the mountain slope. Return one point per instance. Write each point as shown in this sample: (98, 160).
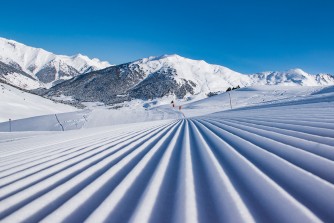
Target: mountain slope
(172, 75)
(45, 66)
(148, 78)
(16, 77)
(17, 104)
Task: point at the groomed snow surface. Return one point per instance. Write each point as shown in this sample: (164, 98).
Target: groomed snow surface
(17, 104)
(271, 162)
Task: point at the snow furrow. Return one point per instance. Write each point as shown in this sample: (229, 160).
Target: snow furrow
(290, 138)
(82, 203)
(286, 131)
(55, 167)
(225, 167)
(295, 121)
(315, 164)
(78, 149)
(256, 188)
(29, 191)
(186, 205)
(299, 128)
(146, 205)
(115, 207)
(59, 139)
(30, 149)
(225, 200)
(45, 160)
(46, 151)
(307, 188)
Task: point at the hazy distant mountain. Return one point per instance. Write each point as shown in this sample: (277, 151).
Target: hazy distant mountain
(41, 68)
(293, 77)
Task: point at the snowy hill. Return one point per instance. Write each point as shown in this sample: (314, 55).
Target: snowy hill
(43, 66)
(160, 109)
(172, 75)
(263, 162)
(17, 104)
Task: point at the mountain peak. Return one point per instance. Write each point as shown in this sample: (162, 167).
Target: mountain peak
(170, 56)
(297, 71)
(39, 63)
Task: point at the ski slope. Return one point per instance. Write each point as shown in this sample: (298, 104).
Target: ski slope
(266, 163)
(96, 114)
(17, 104)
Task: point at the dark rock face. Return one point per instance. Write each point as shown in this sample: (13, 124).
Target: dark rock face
(324, 77)
(70, 72)
(121, 83)
(48, 73)
(157, 85)
(7, 69)
(15, 65)
(108, 85)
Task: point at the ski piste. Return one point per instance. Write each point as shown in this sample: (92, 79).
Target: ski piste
(264, 163)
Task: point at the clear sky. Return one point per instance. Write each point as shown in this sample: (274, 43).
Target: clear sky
(244, 35)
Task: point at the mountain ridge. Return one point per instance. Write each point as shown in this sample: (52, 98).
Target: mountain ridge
(168, 75)
(172, 75)
(43, 66)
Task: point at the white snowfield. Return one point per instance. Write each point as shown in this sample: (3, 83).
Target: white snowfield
(142, 111)
(267, 162)
(17, 104)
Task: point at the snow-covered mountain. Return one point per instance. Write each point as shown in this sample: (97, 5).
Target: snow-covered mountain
(172, 75)
(16, 77)
(43, 67)
(293, 77)
(153, 77)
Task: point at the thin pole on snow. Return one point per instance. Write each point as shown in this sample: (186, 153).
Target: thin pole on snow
(10, 125)
(230, 99)
(62, 127)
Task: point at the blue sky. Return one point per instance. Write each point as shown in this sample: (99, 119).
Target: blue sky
(244, 35)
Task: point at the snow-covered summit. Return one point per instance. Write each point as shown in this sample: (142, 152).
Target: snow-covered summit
(204, 76)
(45, 66)
(151, 77)
(175, 76)
(209, 77)
(293, 77)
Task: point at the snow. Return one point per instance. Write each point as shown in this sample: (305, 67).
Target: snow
(22, 81)
(17, 104)
(47, 69)
(216, 78)
(26, 56)
(31, 60)
(97, 114)
(269, 159)
(207, 77)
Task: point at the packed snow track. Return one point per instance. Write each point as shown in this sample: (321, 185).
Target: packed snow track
(225, 167)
